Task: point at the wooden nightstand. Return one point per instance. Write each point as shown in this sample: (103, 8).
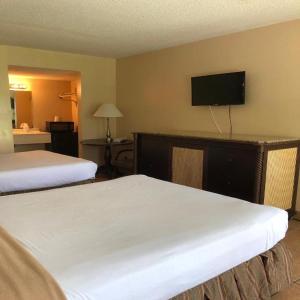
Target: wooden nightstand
(107, 169)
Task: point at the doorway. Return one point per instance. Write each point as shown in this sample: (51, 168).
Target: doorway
(42, 96)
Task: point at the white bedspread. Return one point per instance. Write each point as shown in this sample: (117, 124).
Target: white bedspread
(41, 169)
(138, 237)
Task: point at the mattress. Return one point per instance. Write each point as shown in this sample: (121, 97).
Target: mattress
(41, 169)
(137, 237)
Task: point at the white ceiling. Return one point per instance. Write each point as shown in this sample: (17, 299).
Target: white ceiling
(118, 28)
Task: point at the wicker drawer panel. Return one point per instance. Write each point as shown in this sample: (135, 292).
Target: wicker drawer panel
(280, 176)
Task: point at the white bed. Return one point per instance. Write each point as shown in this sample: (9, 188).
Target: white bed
(30, 170)
(138, 237)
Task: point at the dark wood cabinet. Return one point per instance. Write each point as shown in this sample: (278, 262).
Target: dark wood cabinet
(256, 169)
(155, 159)
(232, 172)
(64, 139)
(64, 143)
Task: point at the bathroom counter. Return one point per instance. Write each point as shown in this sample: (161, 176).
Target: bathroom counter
(22, 137)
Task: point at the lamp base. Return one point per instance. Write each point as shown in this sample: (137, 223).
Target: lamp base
(108, 135)
(108, 139)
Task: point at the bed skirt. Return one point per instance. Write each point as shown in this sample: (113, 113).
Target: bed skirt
(48, 188)
(259, 278)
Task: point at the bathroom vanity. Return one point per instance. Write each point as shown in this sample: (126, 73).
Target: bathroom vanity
(32, 139)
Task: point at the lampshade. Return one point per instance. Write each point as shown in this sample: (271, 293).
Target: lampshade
(108, 110)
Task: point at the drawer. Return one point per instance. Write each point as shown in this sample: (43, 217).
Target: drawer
(232, 172)
(153, 157)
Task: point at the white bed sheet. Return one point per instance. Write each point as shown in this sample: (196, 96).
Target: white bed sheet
(41, 169)
(138, 237)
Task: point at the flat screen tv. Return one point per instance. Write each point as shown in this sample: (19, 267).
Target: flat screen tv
(219, 89)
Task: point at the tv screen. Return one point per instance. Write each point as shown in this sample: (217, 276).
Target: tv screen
(219, 89)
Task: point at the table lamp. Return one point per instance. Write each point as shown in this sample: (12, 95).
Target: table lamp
(108, 110)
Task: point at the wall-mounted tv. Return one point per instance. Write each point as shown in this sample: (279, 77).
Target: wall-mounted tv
(219, 89)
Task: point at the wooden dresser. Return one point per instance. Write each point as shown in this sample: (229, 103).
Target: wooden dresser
(254, 168)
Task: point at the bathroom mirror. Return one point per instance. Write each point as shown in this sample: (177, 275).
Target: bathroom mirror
(21, 106)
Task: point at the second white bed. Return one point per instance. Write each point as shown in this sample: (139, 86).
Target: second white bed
(137, 237)
(30, 170)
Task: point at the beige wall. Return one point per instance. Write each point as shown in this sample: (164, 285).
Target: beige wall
(75, 88)
(6, 140)
(46, 104)
(153, 90)
(98, 79)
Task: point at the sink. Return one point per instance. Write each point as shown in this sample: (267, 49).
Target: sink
(28, 131)
(31, 136)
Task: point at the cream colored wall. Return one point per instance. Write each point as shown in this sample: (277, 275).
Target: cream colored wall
(75, 88)
(6, 141)
(154, 92)
(46, 104)
(98, 79)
